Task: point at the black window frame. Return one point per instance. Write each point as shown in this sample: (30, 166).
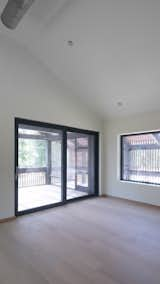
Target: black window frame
(121, 157)
(64, 129)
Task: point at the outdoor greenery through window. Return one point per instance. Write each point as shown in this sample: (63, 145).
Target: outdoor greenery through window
(32, 153)
(140, 157)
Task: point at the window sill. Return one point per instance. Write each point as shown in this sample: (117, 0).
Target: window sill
(140, 183)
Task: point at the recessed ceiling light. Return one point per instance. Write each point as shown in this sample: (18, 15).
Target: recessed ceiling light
(70, 43)
(119, 104)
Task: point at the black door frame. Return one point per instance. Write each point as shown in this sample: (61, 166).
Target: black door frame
(64, 130)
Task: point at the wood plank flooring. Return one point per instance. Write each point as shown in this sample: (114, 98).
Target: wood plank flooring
(98, 241)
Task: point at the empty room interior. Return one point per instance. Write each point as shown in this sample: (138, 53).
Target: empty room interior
(79, 142)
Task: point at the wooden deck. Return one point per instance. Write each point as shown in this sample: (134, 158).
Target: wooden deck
(36, 196)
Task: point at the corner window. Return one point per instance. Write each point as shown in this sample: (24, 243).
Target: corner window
(140, 157)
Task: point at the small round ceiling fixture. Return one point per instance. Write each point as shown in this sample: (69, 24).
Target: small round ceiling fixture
(70, 43)
(119, 104)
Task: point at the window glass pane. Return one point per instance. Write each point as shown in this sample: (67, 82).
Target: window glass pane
(39, 167)
(80, 165)
(141, 158)
(32, 153)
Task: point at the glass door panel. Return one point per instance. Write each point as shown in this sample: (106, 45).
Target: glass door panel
(39, 167)
(80, 165)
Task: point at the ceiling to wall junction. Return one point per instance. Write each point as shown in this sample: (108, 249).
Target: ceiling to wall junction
(106, 51)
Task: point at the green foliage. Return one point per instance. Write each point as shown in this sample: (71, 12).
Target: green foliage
(32, 153)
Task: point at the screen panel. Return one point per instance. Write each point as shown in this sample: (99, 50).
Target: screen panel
(140, 157)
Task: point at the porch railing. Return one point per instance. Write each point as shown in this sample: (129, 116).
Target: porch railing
(38, 176)
(28, 177)
(31, 176)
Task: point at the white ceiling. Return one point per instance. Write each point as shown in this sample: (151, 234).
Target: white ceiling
(116, 52)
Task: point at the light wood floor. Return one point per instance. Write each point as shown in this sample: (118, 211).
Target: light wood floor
(98, 241)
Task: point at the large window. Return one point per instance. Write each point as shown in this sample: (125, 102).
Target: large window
(140, 157)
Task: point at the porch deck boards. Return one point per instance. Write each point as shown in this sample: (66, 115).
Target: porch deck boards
(36, 196)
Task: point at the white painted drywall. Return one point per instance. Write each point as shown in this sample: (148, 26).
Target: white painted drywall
(27, 90)
(112, 184)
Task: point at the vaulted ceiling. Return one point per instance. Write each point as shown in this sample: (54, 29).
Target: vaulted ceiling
(113, 64)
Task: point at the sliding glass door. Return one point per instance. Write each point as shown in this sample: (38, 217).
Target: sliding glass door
(39, 166)
(80, 165)
(53, 165)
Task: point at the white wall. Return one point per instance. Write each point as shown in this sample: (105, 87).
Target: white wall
(28, 90)
(113, 186)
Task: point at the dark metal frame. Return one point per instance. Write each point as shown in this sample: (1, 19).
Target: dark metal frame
(64, 130)
(121, 156)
